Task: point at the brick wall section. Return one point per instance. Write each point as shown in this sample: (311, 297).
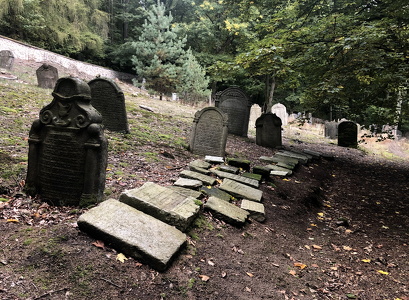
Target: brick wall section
(27, 52)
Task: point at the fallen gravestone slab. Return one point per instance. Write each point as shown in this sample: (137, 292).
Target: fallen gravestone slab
(198, 163)
(133, 232)
(255, 209)
(275, 168)
(239, 163)
(162, 203)
(298, 159)
(207, 180)
(262, 170)
(229, 169)
(214, 159)
(238, 178)
(241, 190)
(226, 211)
(277, 159)
(313, 153)
(257, 177)
(215, 192)
(186, 192)
(188, 183)
(279, 173)
(302, 158)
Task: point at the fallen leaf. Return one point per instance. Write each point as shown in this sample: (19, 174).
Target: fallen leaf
(321, 214)
(350, 296)
(300, 265)
(224, 274)
(204, 278)
(209, 262)
(248, 289)
(366, 260)
(308, 247)
(12, 220)
(317, 247)
(293, 272)
(347, 248)
(348, 231)
(314, 266)
(249, 274)
(99, 244)
(383, 272)
(335, 247)
(121, 257)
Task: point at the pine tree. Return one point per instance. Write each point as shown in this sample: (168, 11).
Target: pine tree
(158, 51)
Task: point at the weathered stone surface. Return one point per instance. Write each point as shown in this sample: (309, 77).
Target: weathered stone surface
(281, 111)
(285, 165)
(301, 160)
(109, 100)
(209, 132)
(279, 169)
(186, 192)
(257, 177)
(238, 178)
(199, 170)
(314, 154)
(277, 158)
(214, 191)
(226, 211)
(200, 164)
(229, 169)
(207, 180)
(240, 190)
(278, 173)
(214, 159)
(162, 203)
(133, 232)
(239, 163)
(331, 130)
(6, 59)
(67, 148)
(47, 76)
(236, 104)
(262, 170)
(255, 209)
(188, 183)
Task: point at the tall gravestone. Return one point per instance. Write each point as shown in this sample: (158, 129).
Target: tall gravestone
(268, 131)
(67, 148)
(255, 113)
(281, 111)
(6, 59)
(47, 76)
(109, 100)
(331, 130)
(348, 134)
(209, 132)
(235, 103)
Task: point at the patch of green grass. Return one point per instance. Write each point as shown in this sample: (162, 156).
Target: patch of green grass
(202, 223)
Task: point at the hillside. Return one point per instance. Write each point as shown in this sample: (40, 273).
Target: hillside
(335, 229)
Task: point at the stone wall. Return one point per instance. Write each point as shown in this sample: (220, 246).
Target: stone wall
(27, 52)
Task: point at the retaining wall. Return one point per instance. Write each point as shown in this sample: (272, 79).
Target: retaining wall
(24, 51)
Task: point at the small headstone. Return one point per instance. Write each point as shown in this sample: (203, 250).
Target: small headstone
(239, 163)
(229, 169)
(255, 113)
(241, 190)
(236, 104)
(109, 100)
(281, 111)
(162, 203)
(6, 59)
(67, 148)
(214, 191)
(188, 183)
(133, 233)
(209, 132)
(207, 180)
(348, 134)
(238, 178)
(226, 211)
(268, 131)
(263, 171)
(47, 76)
(256, 210)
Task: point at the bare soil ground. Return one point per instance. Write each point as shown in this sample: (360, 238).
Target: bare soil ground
(336, 229)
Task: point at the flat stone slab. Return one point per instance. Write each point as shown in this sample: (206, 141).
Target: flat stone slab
(240, 190)
(229, 169)
(215, 192)
(257, 177)
(285, 165)
(239, 163)
(279, 173)
(199, 170)
(238, 178)
(303, 159)
(133, 233)
(186, 192)
(226, 211)
(207, 180)
(280, 159)
(188, 183)
(256, 210)
(313, 153)
(198, 163)
(262, 170)
(214, 159)
(279, 169)
(162, 203)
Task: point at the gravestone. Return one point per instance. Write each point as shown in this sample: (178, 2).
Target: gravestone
(6, 59)
(67, 148)
(281, 111)
(331, 130)
(236, 104)
(109, 100)
(348, 134)
(255, 113)
(268, 131)
(47, 76)
(209, 133)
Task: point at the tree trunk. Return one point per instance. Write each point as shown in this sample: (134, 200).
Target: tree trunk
(271, 94)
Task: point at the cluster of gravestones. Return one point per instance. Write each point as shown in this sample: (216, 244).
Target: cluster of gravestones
(67, 147)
